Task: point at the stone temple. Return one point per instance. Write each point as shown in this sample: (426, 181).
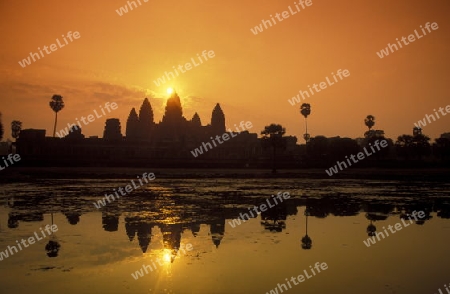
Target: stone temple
(146, 143)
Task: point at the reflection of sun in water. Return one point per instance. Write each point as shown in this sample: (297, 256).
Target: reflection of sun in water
(167, 256)
(161, 258)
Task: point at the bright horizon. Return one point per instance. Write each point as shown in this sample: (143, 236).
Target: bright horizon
(117, 58)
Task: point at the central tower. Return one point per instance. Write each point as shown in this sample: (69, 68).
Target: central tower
(217, 120)
(174, 112)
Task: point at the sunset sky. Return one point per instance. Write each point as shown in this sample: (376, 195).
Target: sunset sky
(117, 58)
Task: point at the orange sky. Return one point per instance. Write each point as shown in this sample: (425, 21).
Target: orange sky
(117, 58)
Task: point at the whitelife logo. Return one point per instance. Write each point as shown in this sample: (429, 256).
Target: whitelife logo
(188, 66)
(124, 9)
(12, 158)
(263, 207)
(53, 48)
(90, 118)
(285, 14)
(319, 267)
(397, 227)
(334, 169)
(128, 189)
(183, 248)
(340, 73)
(50, 229)
(198, 151)
(423, 123)
(411, 38)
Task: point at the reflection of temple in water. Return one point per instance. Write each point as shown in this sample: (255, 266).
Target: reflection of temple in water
(110, 221)
(139, 225)
(171, 233)
(217, 230)
(136, 226)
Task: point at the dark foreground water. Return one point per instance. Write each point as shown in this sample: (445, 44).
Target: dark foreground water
(326, 221)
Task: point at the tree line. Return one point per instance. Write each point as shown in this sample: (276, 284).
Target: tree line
(320, 151)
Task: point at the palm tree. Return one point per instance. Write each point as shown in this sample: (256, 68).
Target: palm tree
(369, 121)
(16, 127)
(272, 136)
(306, 240)
(56, 104)
(417, 131)
(305, 110)
(371, 229)
(52, 248)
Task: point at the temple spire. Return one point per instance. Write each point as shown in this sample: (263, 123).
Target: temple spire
(146, 119)
(196, 120)
(218, 120)
(132, 130)
(174, 111)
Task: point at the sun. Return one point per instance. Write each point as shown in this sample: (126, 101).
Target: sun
(169, 91)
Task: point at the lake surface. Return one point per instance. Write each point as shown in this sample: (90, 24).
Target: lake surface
(326, 221)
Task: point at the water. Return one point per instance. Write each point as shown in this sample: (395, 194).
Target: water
(99, 250)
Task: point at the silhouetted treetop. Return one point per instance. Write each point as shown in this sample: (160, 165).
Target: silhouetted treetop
(56, 104)
(369, 121)
(16, 127)
(305, 109)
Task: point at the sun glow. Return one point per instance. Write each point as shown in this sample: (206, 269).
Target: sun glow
(163, 257)
(169, 91)
(167, 257)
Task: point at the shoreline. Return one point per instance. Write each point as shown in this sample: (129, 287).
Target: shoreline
(23, 174)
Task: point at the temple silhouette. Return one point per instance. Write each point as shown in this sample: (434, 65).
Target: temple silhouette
(165, 144)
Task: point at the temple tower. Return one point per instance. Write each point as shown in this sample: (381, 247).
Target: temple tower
(218, 120)
(133, 126)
